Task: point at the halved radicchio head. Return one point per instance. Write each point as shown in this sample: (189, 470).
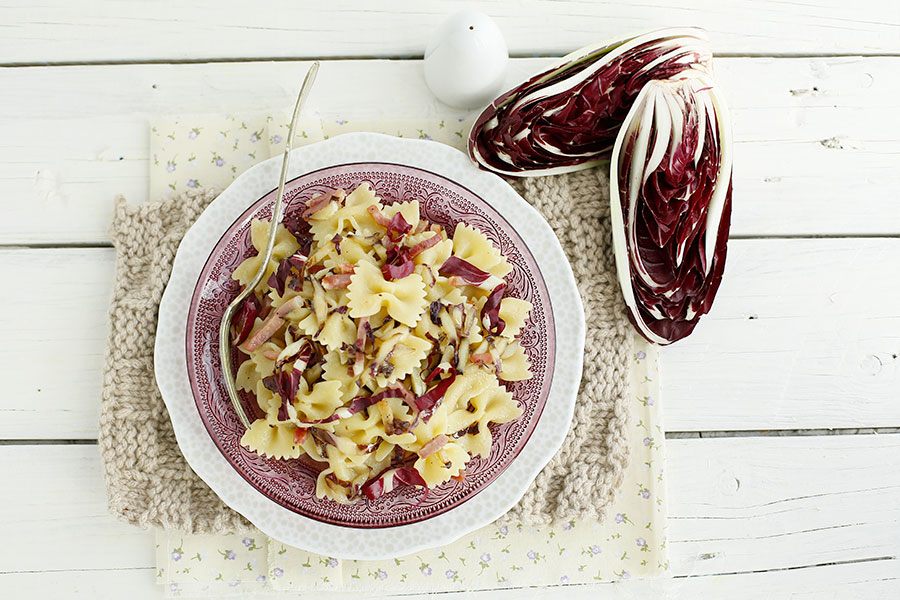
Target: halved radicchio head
(650, 106)
(670, 203)
(566, 118)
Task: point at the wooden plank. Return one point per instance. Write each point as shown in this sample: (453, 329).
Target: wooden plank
(876, 579)
(54, 321)
(94, 584)
(756, 504)
(802, 335)
(136, 31)
(55, 515)
(816, 153)
(835, 499)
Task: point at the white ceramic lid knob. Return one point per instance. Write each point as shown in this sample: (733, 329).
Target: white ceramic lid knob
(465, 61)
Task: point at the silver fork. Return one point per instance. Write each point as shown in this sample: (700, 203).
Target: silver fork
(225, 327)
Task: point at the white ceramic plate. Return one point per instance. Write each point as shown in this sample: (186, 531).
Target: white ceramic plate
(282, 523)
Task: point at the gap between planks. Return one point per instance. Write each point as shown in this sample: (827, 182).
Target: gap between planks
(244, 59)
(670, 435)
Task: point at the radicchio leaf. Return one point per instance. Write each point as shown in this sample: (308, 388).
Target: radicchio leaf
(285, 384)
(398, 227)
(566, 118)
(298, 227)
(491, 311)
(245, 318)
(392, 272)
(670, 191)
(392, 479)
(398, 261)
(428, 402)
(462, 268)
(278, 279)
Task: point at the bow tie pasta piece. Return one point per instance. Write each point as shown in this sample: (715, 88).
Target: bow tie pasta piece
(318, 402)
(270, 440)
(434, 256)
(260, 364)
(477, 441)
(268, 401)
(362, 429)
(351, 215)
(351, 249)
(513, 312)
(438, 288)
(328, 485)
(473, 247)
(399, 354)
(285, 245)
(439, 467)
(409, 210)
(336, 370)
(369, 293)
(514, 364)
(477, 397)
(334, 332)
(348, 467)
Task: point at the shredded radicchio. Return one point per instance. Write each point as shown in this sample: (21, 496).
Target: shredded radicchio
(434, 311)
(285, 384)
(398, 227)
(398, 263)
(245, 318)
(491, 311)
(392, 272)
(430, 400)
(292, 266)
(299, 228)
(392, 479)
(464, 269)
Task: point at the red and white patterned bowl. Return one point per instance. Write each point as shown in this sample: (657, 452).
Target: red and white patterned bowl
(278, 495)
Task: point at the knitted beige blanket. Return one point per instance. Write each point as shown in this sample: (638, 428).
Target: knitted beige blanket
(149, 483)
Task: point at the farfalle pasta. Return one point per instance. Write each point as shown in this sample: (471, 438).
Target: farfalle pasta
(378, 345)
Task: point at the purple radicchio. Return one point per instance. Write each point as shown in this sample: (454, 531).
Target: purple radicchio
(392, 479)
(670, 192)
(566, 117)
(245, 319)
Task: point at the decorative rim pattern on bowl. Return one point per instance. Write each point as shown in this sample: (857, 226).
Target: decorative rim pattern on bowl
(292, 483)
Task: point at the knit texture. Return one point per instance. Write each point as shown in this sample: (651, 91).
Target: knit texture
(149, 483)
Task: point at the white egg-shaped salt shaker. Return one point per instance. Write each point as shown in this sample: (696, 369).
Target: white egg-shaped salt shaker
(465, 61)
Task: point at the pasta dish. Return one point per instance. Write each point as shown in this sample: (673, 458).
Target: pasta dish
(377, 344)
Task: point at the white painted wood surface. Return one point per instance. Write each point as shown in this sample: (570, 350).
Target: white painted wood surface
(804, 335)
(800, 337)
(109, 30)
(795, 121)
(793, 504)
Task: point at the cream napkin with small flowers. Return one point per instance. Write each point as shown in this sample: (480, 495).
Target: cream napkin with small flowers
(210, 151)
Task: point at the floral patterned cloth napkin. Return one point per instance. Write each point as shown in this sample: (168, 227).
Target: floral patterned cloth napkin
(213, 151)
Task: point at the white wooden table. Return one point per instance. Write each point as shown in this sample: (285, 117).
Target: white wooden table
(781, 411)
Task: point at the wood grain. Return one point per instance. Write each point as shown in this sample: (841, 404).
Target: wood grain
(735, 505)
(801, 336)
(131, 30)
(876, 579)
(815, 151)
